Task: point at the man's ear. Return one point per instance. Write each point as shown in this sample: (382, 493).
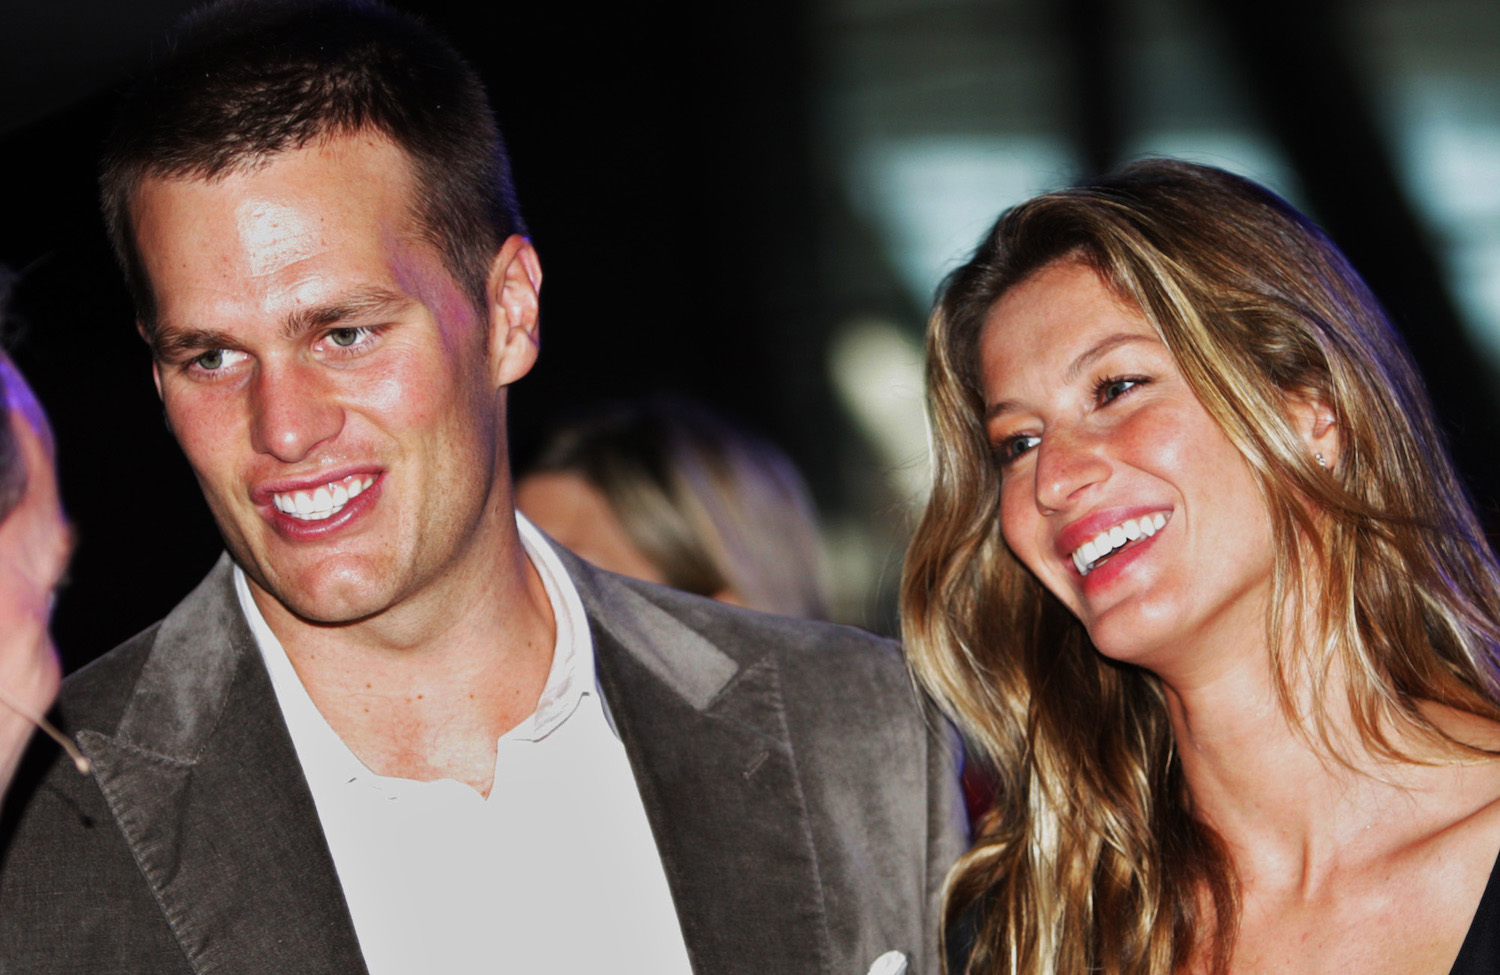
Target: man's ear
(513, 290)
(1318, 426)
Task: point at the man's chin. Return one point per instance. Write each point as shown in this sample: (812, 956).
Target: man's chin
(322, 601)
(332, 609)
(332, 613)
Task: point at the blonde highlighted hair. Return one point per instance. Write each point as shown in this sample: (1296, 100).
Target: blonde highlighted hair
(1091, 859)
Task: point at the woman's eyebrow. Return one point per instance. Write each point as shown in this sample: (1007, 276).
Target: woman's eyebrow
(1076, 368)
(1101, 349)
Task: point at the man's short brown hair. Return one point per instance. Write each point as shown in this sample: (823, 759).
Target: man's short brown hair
(245, 80)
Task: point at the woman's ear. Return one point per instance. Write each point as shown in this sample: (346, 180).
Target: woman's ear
(1318, 426)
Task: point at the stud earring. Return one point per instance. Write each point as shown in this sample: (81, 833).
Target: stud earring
(1321, 462)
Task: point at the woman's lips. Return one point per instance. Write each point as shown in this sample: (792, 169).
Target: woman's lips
(1086, 557)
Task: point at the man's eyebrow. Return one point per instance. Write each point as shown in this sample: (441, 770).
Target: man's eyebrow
(1075, 368)
(169, 343)
(362, 302)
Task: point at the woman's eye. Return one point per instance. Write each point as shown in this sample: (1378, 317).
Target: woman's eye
(1013, 447)
(1109, 390)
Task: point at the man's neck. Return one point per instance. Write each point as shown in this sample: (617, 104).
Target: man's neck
(426, 689)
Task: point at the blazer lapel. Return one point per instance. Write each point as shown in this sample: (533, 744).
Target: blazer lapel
(708, 741)
(205, 785)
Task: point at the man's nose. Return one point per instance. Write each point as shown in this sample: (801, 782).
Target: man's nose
(1070, 460)
(293, 411)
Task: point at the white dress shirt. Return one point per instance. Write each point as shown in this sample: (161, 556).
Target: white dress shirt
(556, 871)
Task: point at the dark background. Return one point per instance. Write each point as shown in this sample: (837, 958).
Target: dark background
(673, 162)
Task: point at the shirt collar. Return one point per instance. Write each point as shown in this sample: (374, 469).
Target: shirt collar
(571, 676)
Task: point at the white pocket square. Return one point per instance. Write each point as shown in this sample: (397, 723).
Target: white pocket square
(890, 963)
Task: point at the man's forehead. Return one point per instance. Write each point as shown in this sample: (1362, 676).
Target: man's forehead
(341, 166)
(341, 195)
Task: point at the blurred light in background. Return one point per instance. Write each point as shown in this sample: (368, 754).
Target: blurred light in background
(877, 371)
(932, 198)
(1447, 142)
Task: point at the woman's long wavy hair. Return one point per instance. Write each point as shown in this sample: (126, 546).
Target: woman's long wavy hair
(1092, 859)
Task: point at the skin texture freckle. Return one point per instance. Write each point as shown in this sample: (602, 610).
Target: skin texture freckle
(273, 236)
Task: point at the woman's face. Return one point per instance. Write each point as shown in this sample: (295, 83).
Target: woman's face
(1117, 489)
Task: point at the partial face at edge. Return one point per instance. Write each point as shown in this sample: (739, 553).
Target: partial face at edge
(1118, 490)
(331, 384)
(35, 544)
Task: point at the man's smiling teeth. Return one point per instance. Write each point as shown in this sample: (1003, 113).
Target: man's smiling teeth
(1090, 552)
(324, 502)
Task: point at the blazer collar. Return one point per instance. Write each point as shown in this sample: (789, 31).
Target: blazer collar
(706, 729)
(183, 687)
(674, 653)
(204, 783)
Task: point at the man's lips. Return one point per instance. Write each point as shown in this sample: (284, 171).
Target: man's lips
(324, 501)
(310, 501)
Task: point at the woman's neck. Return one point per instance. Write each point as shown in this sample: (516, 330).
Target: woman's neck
(1292, 800)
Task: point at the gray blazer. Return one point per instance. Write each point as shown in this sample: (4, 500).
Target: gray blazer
(804, 800)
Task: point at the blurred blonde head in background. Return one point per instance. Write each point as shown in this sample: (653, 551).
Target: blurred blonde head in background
(664, 490)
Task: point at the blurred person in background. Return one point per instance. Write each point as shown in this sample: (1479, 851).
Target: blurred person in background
(665, 490)
(1198, 575)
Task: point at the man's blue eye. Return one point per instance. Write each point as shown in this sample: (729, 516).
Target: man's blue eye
(344, 337)
(216, 360)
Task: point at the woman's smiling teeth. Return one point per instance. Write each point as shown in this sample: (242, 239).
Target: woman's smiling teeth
(1095, 550)
(323, 502)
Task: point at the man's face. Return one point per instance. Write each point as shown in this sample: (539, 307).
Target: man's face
(334, 389)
